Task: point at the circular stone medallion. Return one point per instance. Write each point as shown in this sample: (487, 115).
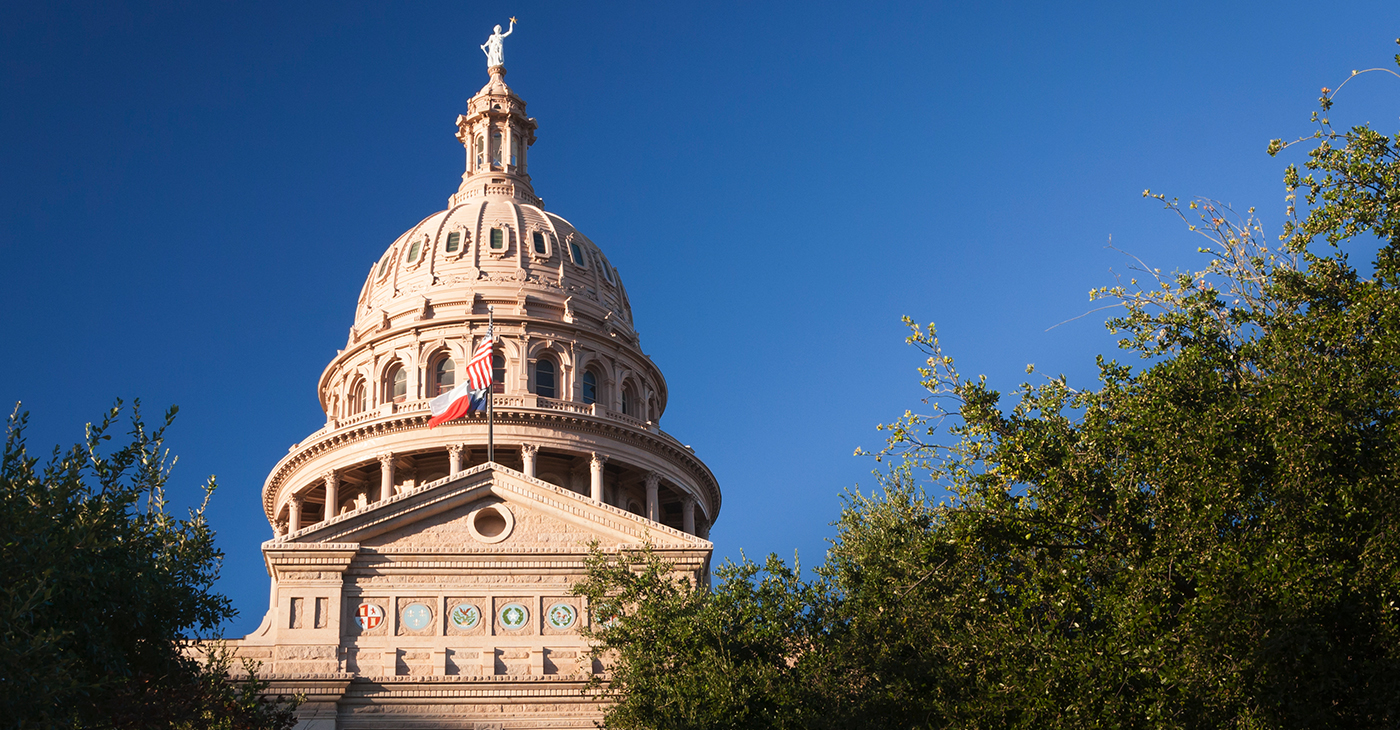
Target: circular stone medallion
(417, 616)
(514, 616)
(561, 616)
(369, 616)
(466, 616)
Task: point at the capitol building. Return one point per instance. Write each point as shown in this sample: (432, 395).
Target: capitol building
(420, 577)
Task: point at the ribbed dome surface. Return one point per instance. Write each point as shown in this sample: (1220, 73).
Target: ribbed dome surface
(488, 242)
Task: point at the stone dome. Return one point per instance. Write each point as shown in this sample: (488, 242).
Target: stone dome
(577, 403)
(497, 241)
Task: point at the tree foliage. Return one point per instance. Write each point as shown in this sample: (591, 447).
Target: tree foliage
(1205, 538)
(102, 587)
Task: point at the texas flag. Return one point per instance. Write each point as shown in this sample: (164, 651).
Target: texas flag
(469, 396)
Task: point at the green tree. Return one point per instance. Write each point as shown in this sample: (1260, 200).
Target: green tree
(102, 588)
(1205, 538)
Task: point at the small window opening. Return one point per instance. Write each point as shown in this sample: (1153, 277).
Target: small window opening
(628, 401)
(514, 151)
(398, 384)
(496, 148)
(445, 375)
(480, 151)
(413, 251)
(357, 398)
(544, 378)
(576, 253)
(498, 373)
(498, 239)
(539, 243)
(383, 267)
(590, 387)
(454, 240)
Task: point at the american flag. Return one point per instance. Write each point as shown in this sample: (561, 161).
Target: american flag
(479, 369)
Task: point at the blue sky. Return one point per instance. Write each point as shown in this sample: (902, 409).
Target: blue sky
(190, 195)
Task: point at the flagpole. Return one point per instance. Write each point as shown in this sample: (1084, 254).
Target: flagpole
(491, 388)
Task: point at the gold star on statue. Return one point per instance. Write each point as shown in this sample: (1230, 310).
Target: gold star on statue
(513, 20)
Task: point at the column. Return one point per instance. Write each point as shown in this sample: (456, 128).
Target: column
(688, 515)
(294, 514)
(332, 494)
(454, 459)
(653, 503)
(527, 455)
(386, 477)
(595, 473)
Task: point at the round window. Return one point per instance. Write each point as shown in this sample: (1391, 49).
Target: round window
(491, 524)
(514, 616)
(417, 616)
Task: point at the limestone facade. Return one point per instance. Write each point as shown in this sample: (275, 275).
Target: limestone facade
(417, 583)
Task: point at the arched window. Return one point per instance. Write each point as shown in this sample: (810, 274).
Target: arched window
(480, 150)
(544, 378)
(629, 400)
(445, 374)
(514, 151)
(590, 387)
(496, 147)
(498, 372)
(396, 384)
(356, 403)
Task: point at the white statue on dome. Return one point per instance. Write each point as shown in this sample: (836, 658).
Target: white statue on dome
(495, 47)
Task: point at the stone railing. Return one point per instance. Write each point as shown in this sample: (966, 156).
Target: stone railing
(526, 400)
(563, 405)
(639, 423)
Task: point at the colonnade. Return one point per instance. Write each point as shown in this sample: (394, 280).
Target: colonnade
(460, 454)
